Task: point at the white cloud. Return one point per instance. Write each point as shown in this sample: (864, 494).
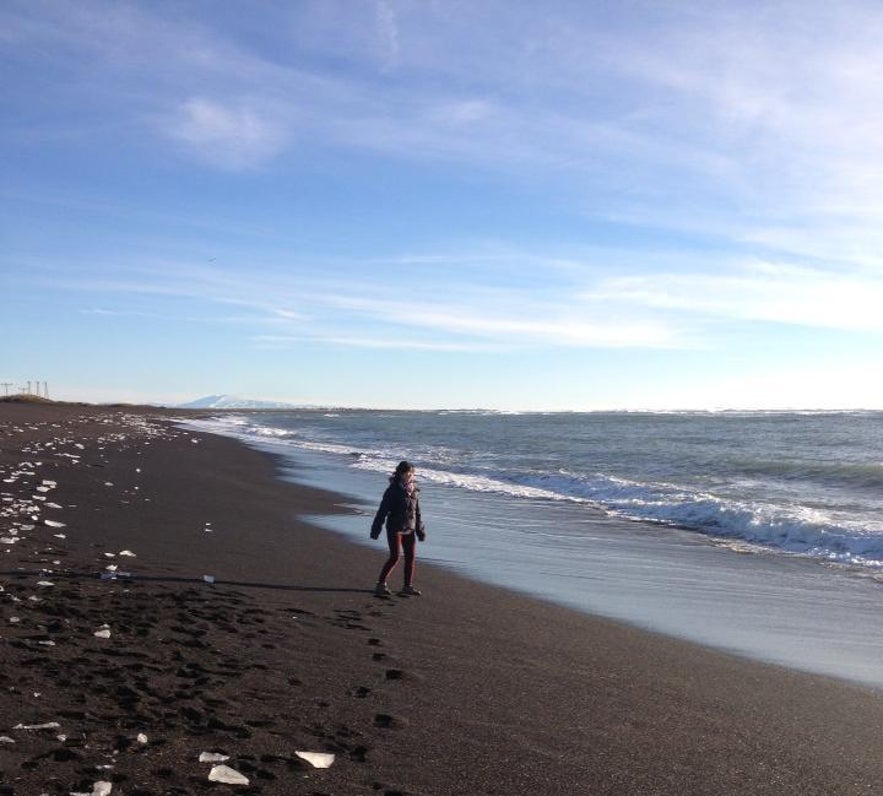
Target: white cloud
(229, 136)
(532, 324)
(782, 294)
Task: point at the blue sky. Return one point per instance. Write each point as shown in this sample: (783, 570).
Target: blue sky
(564, 205)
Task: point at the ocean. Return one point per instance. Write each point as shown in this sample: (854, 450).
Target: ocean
(758, 533)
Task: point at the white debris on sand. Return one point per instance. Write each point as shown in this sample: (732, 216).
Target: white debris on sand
(213, 757)
(49, 725)
(100, 788)
(142, 738)
(317, 759)
(127, 553)
(102, 632)
(227, 775)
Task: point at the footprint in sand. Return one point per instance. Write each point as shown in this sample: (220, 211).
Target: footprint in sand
(387, 722)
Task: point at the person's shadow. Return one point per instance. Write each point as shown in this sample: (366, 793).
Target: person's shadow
(207, 580)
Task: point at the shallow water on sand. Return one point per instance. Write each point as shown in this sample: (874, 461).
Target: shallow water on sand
(787, 611)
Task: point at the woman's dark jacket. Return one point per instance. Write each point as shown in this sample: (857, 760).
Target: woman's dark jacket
(400, 510)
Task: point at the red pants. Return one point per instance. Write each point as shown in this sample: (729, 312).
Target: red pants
(398, 543)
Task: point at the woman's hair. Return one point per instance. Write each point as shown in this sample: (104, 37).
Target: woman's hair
(404, 467)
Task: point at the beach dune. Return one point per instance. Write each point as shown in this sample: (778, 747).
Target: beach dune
(162, 599)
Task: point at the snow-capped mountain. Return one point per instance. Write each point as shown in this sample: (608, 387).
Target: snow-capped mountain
(234, 402)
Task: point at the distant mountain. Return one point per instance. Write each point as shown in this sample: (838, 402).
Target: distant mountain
(234, 402)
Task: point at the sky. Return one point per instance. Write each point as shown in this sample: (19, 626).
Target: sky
(444, 204)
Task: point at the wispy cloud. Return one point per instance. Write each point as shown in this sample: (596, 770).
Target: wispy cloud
(760, 120)
(387, 33)
(779, 294)
(757, 128)
(229, 136)
(428, 314)
(400, 343)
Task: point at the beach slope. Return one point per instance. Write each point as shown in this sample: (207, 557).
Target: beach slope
(161, 599)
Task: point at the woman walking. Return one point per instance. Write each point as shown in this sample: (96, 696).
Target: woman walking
(400, 508)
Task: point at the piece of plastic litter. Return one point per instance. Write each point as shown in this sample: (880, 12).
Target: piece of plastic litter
(53, 523)
(103, 633)
(213, 757)
(227, 775)
(45, 583)
(317, 759)
(6, 739)
(128, 553)
(142, 738)
(208, 578)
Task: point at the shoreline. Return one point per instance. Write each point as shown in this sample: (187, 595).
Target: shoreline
(680, 584)
(470, 688)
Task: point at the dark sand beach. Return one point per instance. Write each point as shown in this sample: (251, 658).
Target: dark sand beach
(469, 689)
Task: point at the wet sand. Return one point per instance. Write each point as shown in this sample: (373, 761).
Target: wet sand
(468, 689)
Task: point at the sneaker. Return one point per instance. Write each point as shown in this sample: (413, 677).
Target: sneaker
(381, 590)
(410, 591)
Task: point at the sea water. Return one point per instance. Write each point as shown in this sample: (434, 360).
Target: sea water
(756, 533)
